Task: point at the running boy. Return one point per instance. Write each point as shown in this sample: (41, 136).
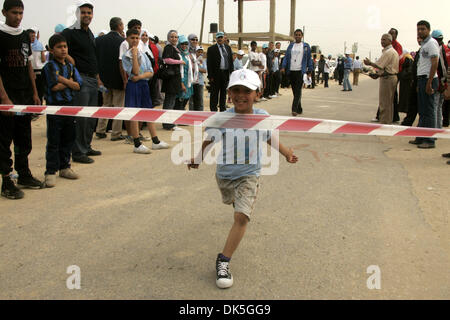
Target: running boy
(17, 87)
(62, 80)
(237, 182)
(137, 95)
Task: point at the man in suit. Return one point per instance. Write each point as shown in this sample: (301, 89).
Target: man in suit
(220, 66)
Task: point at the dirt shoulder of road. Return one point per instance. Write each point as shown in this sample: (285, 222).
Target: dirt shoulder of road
(430, 176)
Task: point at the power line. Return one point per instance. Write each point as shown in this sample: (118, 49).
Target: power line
(187, 16)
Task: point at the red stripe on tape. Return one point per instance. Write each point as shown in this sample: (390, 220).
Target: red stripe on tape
(356, 128)
(300, 125)
(68, 111)
(6, 108)
(418, 132)
(190, 118)
(246, 122)
(34, 109)
(107, 113)
(148, 115)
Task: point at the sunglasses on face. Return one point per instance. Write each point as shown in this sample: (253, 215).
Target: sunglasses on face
(194, 39)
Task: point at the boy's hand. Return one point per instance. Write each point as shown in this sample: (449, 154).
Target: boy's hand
(183, 87)
(135, 51)
(135, 78)
(6, 101)
(291, 157)
(36, 100)
(192, 165)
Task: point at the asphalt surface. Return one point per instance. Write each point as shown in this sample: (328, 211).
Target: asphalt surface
(140, 227)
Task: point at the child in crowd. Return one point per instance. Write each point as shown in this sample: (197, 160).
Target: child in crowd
(62, 80)
(238, 182)
(137, 95)
(17, 87)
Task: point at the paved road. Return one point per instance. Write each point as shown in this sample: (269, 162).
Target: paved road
(140, 227)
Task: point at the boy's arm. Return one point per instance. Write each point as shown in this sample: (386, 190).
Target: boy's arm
(66, 83)
(136, 68)
(32, 76)
(195, 162)
(4, 99)
(287, 153)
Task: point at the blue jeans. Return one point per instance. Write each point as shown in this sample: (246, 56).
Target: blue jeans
(85, 127)
(426, 105)
(347, 84)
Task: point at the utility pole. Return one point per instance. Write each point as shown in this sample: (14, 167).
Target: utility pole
(203, 22)
(240, 21)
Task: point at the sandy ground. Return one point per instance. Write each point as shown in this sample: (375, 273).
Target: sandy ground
(140, 227)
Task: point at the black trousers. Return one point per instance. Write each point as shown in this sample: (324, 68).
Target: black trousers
(318, 76)
(16, 129)
(267, 84)
(341, 76)
(326, 77)
(61, 132)
(275, 83)
(446, 113)
(219, 87)
(197, 98)
(297, 85)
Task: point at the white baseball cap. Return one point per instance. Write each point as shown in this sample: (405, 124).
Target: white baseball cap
(246, 78)
(199, 48)
(241, 53)
(277, 50)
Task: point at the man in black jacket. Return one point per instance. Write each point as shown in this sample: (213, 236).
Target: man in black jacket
(107, 50)
(220, 66)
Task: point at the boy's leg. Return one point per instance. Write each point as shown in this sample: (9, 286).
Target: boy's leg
(236, 234)
(52, 154)
(67, 139)
(107, 102)
(22, 144)
(6, 137)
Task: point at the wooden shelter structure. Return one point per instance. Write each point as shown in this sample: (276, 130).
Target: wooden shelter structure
(271, 35)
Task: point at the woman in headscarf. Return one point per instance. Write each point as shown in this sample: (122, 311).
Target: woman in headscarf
(193, 43)
(172, 82)
(189, 72)
(406, 78)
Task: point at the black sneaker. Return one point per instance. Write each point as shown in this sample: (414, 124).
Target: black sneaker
(83, 159)
(10, 191)
(93, 153)
(447, 155)
(29, 182)
(101, 135)
(224, 278)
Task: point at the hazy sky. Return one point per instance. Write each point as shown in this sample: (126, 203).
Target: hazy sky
(328, 23)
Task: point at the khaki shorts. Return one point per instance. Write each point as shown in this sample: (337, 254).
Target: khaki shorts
(241, 193)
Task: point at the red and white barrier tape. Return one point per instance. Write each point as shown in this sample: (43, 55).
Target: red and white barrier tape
(232, 120)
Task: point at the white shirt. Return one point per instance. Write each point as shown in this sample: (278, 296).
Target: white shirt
(429, 49)
(327, 67)
(297, 57)
(254, 56)
(124, 47)
(263, 58)
(357, 64)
